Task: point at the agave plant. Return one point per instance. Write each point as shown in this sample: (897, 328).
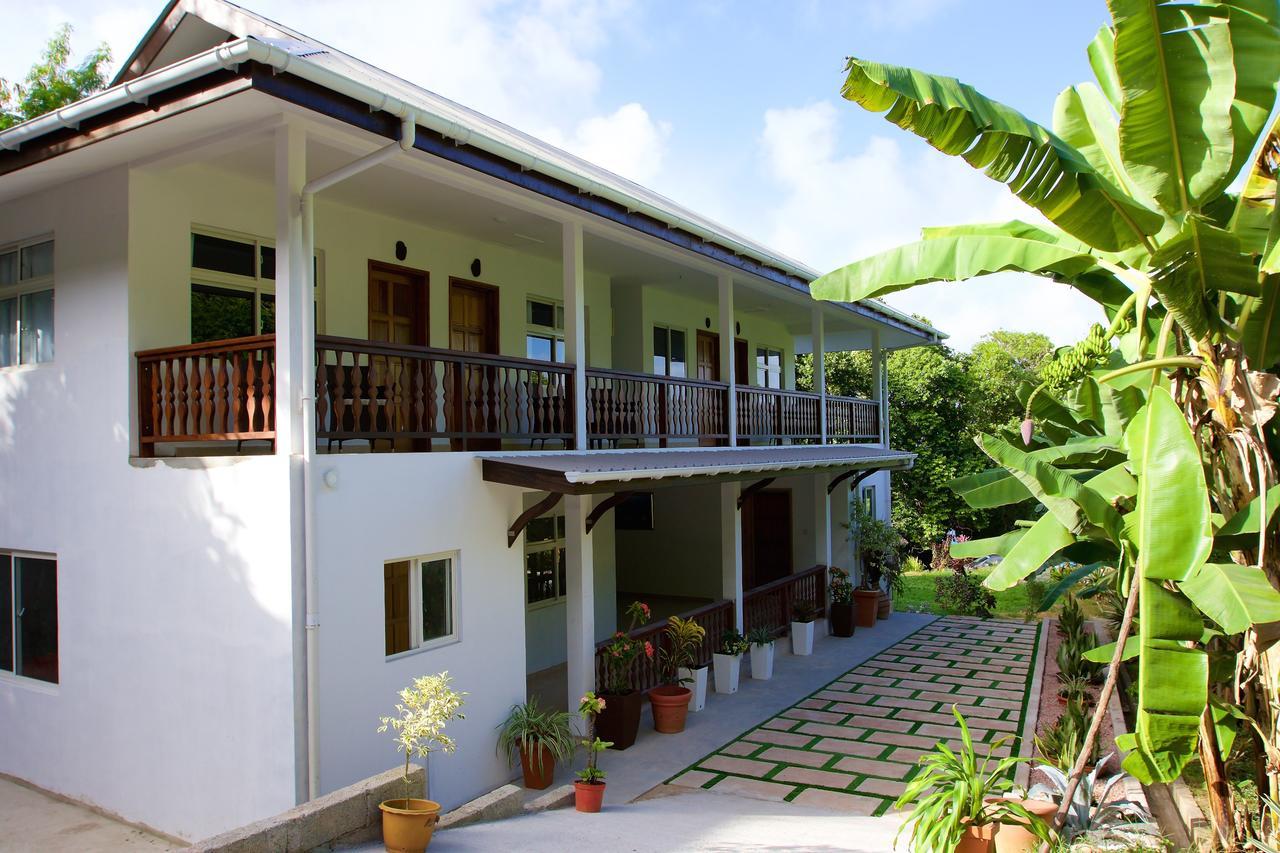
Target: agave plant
(1094, 820)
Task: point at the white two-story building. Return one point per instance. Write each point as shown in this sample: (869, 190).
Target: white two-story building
(312, 381)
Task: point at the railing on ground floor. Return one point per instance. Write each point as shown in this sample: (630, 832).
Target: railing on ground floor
(771, 605)
(645, 674)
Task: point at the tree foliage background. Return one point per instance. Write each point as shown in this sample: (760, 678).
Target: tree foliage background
(938, 400)
(53, 82)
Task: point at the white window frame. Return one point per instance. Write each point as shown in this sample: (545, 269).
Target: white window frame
(869, 500)
(556, 542)
(13, 677)
(782, 366)
(555, 332)
(255, 284)
(669, 329)
(416, 642)
(25, 287)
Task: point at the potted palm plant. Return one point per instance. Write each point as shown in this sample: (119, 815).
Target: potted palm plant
(670, 700)
(619, 721)
(877, 544)
(728, 661)
(424, 709)
(803, 616)
(537, 739)
(696, 675)
(761, 640)
(959, 799)
(841, 602)
(588, 790)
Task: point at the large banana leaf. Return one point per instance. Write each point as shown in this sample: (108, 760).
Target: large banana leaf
(1187, 270)
(1255, 44)
(1260, 325)
(1083, 118)
(1044, 539)
(1236, 597)
(1175, 65)
(1037, 166)
(1102, 59)
(1241, 530)
(1076, 506)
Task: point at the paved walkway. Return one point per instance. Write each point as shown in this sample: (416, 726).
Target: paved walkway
(853, 744)
(33, 821)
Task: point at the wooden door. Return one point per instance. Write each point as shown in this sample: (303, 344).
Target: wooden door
(708, 356)
(766, 537)
(473, 327)
(397, 304)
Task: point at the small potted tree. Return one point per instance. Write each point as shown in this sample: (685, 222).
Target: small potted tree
(619, 721)
(877, 544)
(424, 709)
(728, 661)
(588, 790)
(670, 700)
(803, 616)
(537, 739)
(761, 640)
(841, 602)
(696, 674)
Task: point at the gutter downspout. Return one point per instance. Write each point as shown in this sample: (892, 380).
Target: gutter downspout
(408, 135)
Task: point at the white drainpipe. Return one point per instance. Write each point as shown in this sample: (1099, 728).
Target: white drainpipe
(408, 134)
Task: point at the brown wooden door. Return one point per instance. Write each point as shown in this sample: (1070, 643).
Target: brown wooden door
(708, 356)
(766, 537)
(397, 304)
(473, 327)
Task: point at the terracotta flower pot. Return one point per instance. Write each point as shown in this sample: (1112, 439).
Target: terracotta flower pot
(619, 722)
(976, 839)
(1012, 838)
(407, 824)
(842, 619)
(588, 796)
(538, 774)
(865, 604)
(670, 708)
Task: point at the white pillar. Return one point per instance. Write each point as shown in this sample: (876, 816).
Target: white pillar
(731, 549)
(575, 326)
(820, 368)
(291, 283)
(728, 365)
(880, 387)
(580, 604)
(821, 520)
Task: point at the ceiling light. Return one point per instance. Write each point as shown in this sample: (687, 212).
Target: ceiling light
(527, 237)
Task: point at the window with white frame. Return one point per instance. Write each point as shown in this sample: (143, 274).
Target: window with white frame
(669, 355)
(420, 600)
(544, 569)
(544, 338)
(869, 500)
(29, 615)
(768, 367)
(26, 303)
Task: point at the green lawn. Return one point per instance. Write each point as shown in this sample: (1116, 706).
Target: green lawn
(918, 596)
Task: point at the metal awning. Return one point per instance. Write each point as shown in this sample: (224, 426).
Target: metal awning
(597, 471)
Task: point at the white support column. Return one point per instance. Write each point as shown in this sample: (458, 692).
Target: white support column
(580, 604)
(575, 325)
(731, 549)
(880, 387)
(820, 369)
(821, 520)
(728, 366)
(291, 290)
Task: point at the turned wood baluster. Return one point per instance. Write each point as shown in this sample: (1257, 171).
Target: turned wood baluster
(250, 392)
(268, 392)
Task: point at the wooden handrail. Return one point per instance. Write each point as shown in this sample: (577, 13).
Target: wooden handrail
(770, 605)
(208, 347)
(611, 373)
(437, 354)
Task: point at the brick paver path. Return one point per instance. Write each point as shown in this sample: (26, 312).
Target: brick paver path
(853, 744)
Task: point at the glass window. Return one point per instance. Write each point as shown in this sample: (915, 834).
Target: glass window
(266, 314)
(219, 313)
(660, 351)
(540, 576)
(6, 613)
(37, 327)
(221, 255)
(268, 265)
(37, 618)
(545, 342)
(437, 599)
(679, 363)
(669, 357)
(539, 347)
(544, 559)
(8, 267)
(418, 600)
(8, 332)
(542, 314)
(768, 367)
(37, 260)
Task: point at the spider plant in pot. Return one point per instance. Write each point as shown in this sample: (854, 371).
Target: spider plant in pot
(588, 790)
(958, 799)
(728, 661)
(804, 615)
(670, 700)
(761, 640)
(1074, 688)
(425, 708)
(537, 739)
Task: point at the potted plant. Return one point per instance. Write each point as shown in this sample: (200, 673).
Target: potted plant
(670, 700)
(424, 709)
(841, 602)
(958, 799)
(619, 721)
(761, 640)
(804, 613)
(696, 674)
(728, 661)
(538, 739)
(878, 546)
(588, 790)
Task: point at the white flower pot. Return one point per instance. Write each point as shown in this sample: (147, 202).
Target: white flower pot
(802, 638)
(697, 682)
(728, 669)
(762, 661)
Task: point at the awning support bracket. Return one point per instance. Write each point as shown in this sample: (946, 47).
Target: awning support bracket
(752, 489)
(517, 527)
(604, 506)
(862, 474)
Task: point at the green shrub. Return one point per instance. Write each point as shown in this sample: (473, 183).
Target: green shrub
(964, 595)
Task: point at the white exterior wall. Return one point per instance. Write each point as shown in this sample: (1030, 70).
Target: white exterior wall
(174, 705)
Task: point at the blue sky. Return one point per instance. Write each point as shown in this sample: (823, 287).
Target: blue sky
(732, 108)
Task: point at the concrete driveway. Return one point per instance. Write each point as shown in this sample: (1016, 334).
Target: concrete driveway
(35, 822)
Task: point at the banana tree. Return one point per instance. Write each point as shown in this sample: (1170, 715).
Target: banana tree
(1165, 428)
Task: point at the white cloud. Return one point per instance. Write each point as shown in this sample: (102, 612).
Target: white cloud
(834, 208)
(627, 141)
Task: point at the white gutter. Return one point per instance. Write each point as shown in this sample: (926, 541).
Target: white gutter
(249, 49)
(898, 462)
(408, 134)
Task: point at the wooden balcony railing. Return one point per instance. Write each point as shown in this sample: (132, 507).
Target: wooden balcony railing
(219, 391)
(772, 605)
(715, 617)
(371, 391)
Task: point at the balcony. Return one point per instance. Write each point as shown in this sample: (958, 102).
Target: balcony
(393, 396)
